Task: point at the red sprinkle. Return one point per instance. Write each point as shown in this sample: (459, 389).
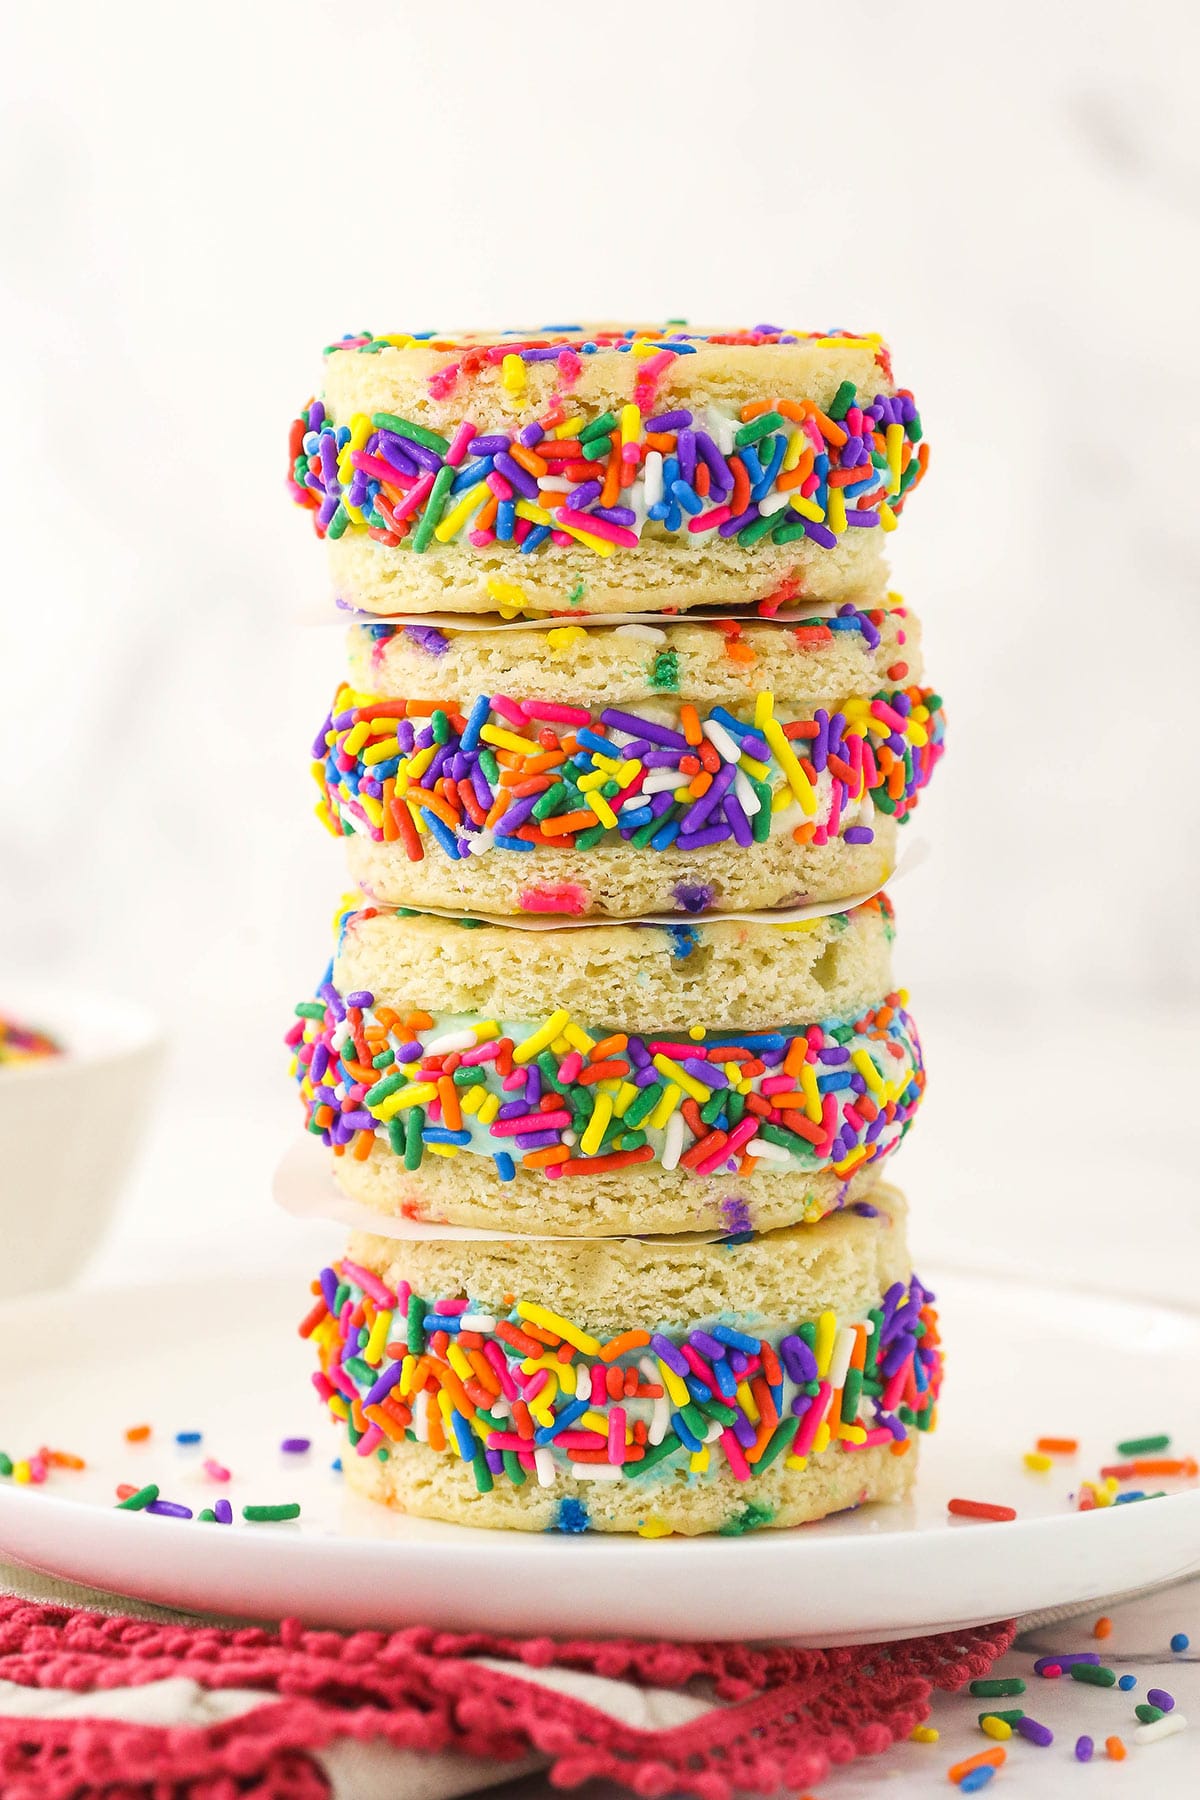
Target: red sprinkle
(980, 1509)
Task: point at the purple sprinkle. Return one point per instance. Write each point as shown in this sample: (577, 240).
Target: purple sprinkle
(693, 897)
(427, 638)
(736, 1215)
(488, 446)
(372, 1397)
(360, 998)
(296, 1446)
(1083, 1749)
(665, 1350)
(223, 1511)
(1159, 1697)
(658, 734)
(1064, 1662)
(521, 479)
(169, 1509)
(669, 421)
(739, 521)
(859, 834)
(1035, 1732)
(706, 1345)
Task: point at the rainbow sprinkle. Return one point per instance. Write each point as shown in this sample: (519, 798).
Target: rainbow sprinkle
(495, 773)
(774, 469)
(523, 1392)
(23, 1044)
(568, 1100)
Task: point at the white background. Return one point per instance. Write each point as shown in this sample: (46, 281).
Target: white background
(194, 201)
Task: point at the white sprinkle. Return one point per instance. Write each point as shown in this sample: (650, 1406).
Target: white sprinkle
(839, 1362)
(746, 794)
(665, 781)
(767, 1152)
(772, 504)
(721, 429)
(721, 741)
(597, 1471)
(420, 1417)
(645, 634)
(660, 1419)
(583, 1382)
(543, 1462)
(449, 1041)
(1167, 1726)
(654, 477)
(471, 1321)
(673, 1141)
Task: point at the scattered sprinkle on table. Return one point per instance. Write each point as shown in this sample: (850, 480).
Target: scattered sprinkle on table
(980, 1509)
(136, 1434)
(270, 1515)
(139, 1499)
(1035, 1731)
(924, 1734)
(1083, 1749)
(1167, 1726)
(1007, 1684)
(1103, 1627)
(1114, 1749)
(1180, 1641)
(1146, 1446)
(1058, 1446)
(1160, 1697)
(295, 1446)
(993, 1759)
(1095, 1674)
(188, 1437)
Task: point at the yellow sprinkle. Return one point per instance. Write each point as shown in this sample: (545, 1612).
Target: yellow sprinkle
(455, 520)
(446, 1150)
(1034, 1459)
(696, 1089)
(893, 442)
(698, 1461)
(887, 518)
(417, 1093)
(808, 509)
(563, 636)
(537, 515)
(417, 765)
(996, 1728)
(21, 1471)
(512, 374)
(595, 778)
(631, 424)
(821, 1441)
(850, 1162)
(603, 811)
(542, 1038)
(471, 1100)
(793, 453)
(746, 1401)
(764, 708)
(924, 1734)
(506, 740)
(488, 1109)
(626, 1095)
(672, 1094)
(569, 427)
(506, 593)
(696, 1032)
(602, 1112)
(458, 1362)
(795, 1462)
(752, 766)
(835, 512)
(381, 750)
(796, 779)
(550, 1321)
(372, 808)
(655, 1528)
(408, 1369)
(675, 1385)
(335, 1403)
(594, 1421)
(823, 1347)
(851, 1433)
(577, 1038)
(378, 1337)
(601, 546)
(864, 1062)
(355, 738)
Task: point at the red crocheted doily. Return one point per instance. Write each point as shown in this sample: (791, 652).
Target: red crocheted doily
(789, 1714)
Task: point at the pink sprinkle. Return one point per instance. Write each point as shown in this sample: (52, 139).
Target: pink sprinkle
(599, 1391)
(369, 1441)
(563, 897)
(415, 497)
(214, 1470)
(369, 1283)
(570, 1067)
(509, 709)
(553, 710)
(450, 1309)
(1051, 1671)
(733, 1451)
(616, 1436)
(459, 442)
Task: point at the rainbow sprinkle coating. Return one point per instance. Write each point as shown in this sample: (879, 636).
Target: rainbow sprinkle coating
(567, 1101)
(773, 469)
(496, 773)
(524, 1392)
(23, 1044)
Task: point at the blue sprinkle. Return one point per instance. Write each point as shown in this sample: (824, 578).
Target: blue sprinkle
(505, 1166)
(1180, 1641)
(1126, 1682)
(572, 1516)
(195, 1437)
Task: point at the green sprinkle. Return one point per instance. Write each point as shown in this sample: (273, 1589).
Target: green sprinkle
(587, 840)
(467, 1078)
(751, 1518)
(414, 1149)
(851, 1395)
(579, 588)
(433, 508)
(664, 672)
(1010, 1718)
(757, 428)
(490, 767)
(390, 1084)
(712, 1109)
(135, 1502)
(693, 1418)
(207, 1516)
(775, 1134)
(555, 799)
(760, 824)
(644, 1105)
(432, 440)
(271, 1515)
(1147, 1714)
(787, 534)
(655, 1453)
(1094, 1676)
(395, 1131)
(599, 427)
(6, 1467)
(512, 1468)
(757, 528)
(341, 1295)
(1009, 1684)
(717, 1409)
(778, 1443)
(842, 401)
(337, 525)
(362, 1371)
(415, 1319)
(440, 726)
(384, 1060)
(310, 1009)
(1146, 1446)
(483, 1475)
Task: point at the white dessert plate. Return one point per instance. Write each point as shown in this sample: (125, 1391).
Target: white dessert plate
(224, 1359)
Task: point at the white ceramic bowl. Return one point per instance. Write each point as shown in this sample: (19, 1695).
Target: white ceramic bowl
(70, 1126)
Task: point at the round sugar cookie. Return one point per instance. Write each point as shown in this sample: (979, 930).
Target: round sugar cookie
(628, 770)
(581, 468)
(619, 1386)
(609, 1080)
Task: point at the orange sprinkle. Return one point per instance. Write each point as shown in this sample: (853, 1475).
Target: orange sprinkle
(136, 1434)
(542, 1159)
(607, 1047)
(995, 1756)
(1058, 1446)
(1115, 1749)
(451, 1110)
(689, 719)
(1103, 1627)
(618, 1346)
(362, 1145)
